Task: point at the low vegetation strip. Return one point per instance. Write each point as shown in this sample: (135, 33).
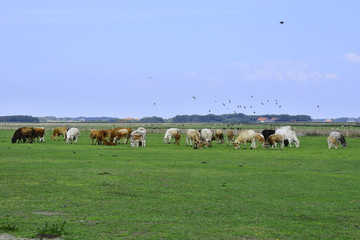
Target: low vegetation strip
(164, 191)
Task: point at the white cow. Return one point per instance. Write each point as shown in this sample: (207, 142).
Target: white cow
(339, 138)
(193, 136)
(289, 135)
(72, 135)
(139, 132)
(171, 132)
(245, 136)
(206, 137)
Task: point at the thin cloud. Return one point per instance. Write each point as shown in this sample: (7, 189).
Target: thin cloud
(352, 57)
(279, 71)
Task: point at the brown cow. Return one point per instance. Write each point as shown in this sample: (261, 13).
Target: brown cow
(108, 143)
(97, 135)
(332, 142)
(111, 133)
(177, 139)
(40, 134)
(25, 134)
(58, 132)
(136, 140)
(230, 138)
(219, 136)
(273, 139)
(121, 134)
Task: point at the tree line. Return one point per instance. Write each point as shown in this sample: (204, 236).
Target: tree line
(209, 118)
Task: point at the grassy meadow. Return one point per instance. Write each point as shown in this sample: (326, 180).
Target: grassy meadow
(175, 192)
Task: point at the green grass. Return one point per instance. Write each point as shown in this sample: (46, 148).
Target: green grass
(176, 192)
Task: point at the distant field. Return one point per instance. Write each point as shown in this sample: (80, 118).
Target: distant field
(175, 192)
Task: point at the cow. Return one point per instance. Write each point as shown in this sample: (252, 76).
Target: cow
(273, 139)
(206, 137)
(25, 134)
(219, 136)
(260, 138)
(267, 132)
(339, 138)
(193, 136)
(289, 135)
(171, 132)
(332, 142)
(244, 137)
(111, 133)
(72, 135)
(107, 143)
(177, 139)
(121, 134)
(230, 138)
(97, 135)
(138, 137)
(58, 132)
(40, 134)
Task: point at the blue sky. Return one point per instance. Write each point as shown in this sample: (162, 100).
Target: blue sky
(118, 57)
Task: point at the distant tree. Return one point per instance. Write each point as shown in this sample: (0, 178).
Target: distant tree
(152, 120)
(18, 118)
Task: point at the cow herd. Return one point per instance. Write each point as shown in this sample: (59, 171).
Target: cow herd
(197, 139)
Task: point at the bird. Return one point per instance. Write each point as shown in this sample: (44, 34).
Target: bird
(262, 103)
(281, 22)
(209, 110)
(250, 106)
(279, 106)
(268, 101)
(229, 101)
(149, 77)
(254, 112)
(154, 103)
(224, 104)
(194, 97)
(318, 106)
(235, 112)
(251, 96)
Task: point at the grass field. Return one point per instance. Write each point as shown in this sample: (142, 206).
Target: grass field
(176, 192)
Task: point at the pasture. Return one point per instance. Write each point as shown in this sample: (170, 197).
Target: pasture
(175, 192)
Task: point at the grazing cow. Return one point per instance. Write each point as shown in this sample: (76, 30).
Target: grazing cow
(58, 132)
(339, 138)
(138, 137)
(40, 134)
(97, 135)
(25, 134)
(136, 140)
(243, 137)
(72, 135)
(259, 138)
(111, 133)
(332, 142)
(108, 143)
(289, 135)
(121, 134)
(171, 132)
(206, 137)
(219, 136)
(230, 138)
(273, 139)
(194, 137)
(267, 132)
(177, 139)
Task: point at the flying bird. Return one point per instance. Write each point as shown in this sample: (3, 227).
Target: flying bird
(154, 103)
(209, 110)
(251, 96)
(229, 101)
(224, 104)
(194, 97)
(281, 22)
(262, 103)
(318, 106)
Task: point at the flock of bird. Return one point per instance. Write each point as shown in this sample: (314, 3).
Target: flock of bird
(227, 105)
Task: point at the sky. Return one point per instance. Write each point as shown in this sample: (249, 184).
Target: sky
(140, 58)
